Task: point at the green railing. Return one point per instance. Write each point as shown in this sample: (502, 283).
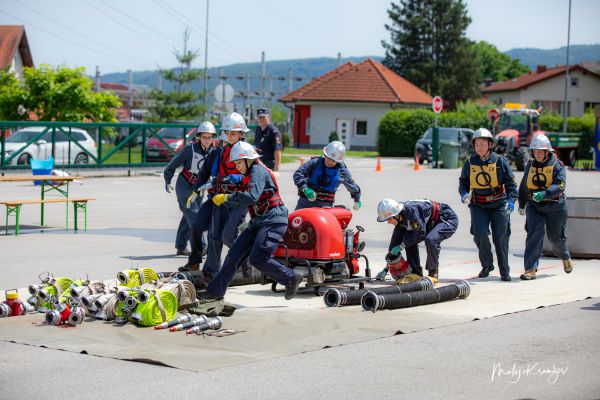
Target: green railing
(112, 145)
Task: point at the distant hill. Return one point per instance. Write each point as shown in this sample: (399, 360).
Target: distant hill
(310, 68)
(553, 57)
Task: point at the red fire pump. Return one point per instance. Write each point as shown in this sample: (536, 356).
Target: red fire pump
(319, 245)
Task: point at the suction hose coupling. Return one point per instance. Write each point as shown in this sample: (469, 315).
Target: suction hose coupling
(214, 323)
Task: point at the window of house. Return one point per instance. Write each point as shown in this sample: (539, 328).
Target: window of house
(361, 128)
(574, 81)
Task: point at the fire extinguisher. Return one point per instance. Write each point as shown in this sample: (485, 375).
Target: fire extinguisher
(12, 306)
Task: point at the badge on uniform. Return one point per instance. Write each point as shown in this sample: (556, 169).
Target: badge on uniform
(415, 225)
(277, 140)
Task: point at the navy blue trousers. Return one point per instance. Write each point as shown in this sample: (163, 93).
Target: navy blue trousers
(183, 190)
(304, 203)
(201, 224)
(258, 245)
(551, 218)
(445, 228)
(481, 219)
(223, 229)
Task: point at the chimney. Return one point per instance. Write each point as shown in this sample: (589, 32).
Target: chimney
(487, 81)
(540, 69)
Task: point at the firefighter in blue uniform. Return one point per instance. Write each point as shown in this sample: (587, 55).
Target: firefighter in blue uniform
(417, 221)
(267, 140)
(192, 159)
(318, 179)
(219, 176)
(488, 185)
(269, 219)
(542, 200)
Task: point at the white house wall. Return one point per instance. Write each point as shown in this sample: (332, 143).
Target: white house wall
(17, 65)
(553, 89)
(323, 117)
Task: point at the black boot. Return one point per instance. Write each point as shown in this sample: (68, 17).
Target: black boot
(417, 271)
(433, 273)
(291, 289)
(485, 272)
(189, 267)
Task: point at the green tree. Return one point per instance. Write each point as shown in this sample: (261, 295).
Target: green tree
(429, 48)
(54, 94)
(496, 65)
(182, 103)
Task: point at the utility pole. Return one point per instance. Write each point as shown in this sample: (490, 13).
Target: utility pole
(130, 90)
(566, 102)
(263, 71)
(97, 79)
(206, 65)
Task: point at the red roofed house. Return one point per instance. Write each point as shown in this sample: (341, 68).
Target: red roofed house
(546, 87)
(350, 100)
(14, 49)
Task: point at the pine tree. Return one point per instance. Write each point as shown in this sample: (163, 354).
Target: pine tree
(183, 103)
(429, 48)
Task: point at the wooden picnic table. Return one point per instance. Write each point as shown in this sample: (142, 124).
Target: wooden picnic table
(54, 183)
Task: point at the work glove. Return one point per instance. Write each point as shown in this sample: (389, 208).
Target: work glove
(381, 275)
(538, 196)
(220, 199)
(396, 250)
(357, 205)
(168, 187)
(205, 187)
(310, 194)
(521, 211)
(233, 179)
(193, 197)
(464, 198)
(510, 206)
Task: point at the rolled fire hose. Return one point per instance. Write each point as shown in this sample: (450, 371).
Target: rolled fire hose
(373, 301)
(137, 277)
(334, 297)
(54, 287)
(160, 307)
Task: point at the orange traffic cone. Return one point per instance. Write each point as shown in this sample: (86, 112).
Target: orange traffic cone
(378, 167)
(417, 163)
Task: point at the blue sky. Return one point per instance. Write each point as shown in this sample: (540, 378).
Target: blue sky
(118, 35)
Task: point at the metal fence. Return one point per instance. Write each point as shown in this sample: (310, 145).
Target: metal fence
(91, 145)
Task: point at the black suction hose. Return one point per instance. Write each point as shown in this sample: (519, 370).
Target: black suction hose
(373, 301)
(334, 297)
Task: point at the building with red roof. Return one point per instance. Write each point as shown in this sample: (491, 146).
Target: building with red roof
(350, 100)
(14, 49)
(545, 87)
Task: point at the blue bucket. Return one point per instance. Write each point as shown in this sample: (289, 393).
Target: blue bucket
(42, 167)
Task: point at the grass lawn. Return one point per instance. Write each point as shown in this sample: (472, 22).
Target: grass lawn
(292, 151)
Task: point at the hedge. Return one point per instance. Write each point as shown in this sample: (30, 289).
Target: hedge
(399, 130)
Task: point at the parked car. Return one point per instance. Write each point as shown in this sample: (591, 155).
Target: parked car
(66, 151)
(156, 150)
(457, 135)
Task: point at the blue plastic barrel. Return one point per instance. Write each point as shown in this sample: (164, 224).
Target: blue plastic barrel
(42, 167)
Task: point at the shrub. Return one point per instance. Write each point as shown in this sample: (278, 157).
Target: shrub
(333, 136)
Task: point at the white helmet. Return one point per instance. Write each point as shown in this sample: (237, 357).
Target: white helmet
(388, 208)
(243, 150)
(540, 142)
(335, 150)
(207, 127)
(234, 122)
(483, 133)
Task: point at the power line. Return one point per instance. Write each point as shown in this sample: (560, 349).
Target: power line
(124, 25)
(183, 18)
(127, 58)
(62, 37)
(150, 28)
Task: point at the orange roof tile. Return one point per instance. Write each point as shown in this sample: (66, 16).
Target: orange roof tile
(368, 81)
(13, 38)
(531, 78)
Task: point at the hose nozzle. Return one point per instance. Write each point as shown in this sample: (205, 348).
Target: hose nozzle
(33, 289)
(214, 323)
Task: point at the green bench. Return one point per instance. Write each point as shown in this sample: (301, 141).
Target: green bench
(14, 207)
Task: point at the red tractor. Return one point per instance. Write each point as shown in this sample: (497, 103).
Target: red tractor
(515, 128)
(319, 245)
